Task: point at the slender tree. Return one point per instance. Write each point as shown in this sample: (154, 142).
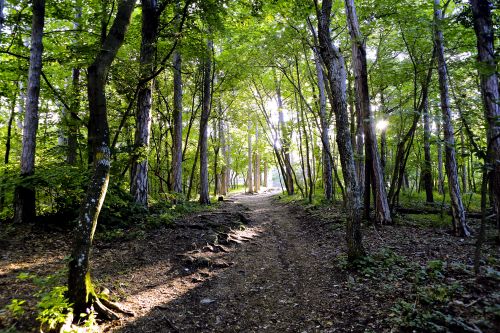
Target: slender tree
(285, 143)
(205, 114)
(325, 135)
(336, 75)
(460, 226)
(80, 289)
(382, 210)
(257, 162)
(177, 115)
(72, 118)
(250, 172)
(139, 169)
(427, 168)
(24, 203)
(2, 17)
(483, 26)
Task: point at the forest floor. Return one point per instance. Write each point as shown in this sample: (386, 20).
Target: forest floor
(257, 264)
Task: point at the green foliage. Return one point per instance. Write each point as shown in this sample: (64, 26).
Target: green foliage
(15, 308)
(60, 188)
(53, 307)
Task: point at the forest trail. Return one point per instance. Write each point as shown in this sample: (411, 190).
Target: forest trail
(277, 282)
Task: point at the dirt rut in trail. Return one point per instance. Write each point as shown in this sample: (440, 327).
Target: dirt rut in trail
(277, 282)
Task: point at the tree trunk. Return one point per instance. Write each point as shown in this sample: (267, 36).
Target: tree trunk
(257, 162)
(7, 150)
(80, 289)
(73, 120)
(336, 77)
(285, 144)
(460, 226)
(427, 169)
(382, 210)
(463, 152)
(24, 202)
(440, 160)
(193, 169)
(205, 114)
(250, 172)
(265, 174)
(177, 115)
(2, 17)
(483, 26)
(325, 137)
(139, 168)
(224, 170)
(306, 137)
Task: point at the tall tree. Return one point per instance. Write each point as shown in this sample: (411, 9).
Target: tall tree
(250, 155)
(72, 115)
(205, 115)
(427, 168)
(177, 115)
(483, 26)
(336, 74)
(256, 162)
(24, 204)
(80, 289)
(2, 17)
(460, 226)
(139, 169)
(326, 155)
(382, 210)
(285, 143)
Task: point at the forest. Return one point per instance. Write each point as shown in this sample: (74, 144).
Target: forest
(249, 166)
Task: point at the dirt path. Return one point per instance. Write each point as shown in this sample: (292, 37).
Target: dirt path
(276, 282)
(255, 264)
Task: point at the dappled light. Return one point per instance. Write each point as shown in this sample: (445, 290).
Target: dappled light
(249, 166)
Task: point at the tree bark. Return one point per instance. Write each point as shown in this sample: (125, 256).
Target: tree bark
(427, 169)
(483, 26)
(337, 83)
(139, 168)
(224, 170)
(308, 181)
(72, 119)
(177, 115)
(257, 162)
(285, 144)
(80, 289)
(250, 155)
(265, 174)
(382, 210)
(463, 153)
(24, 203)
(2, 17)
(460, 226)
(7, 149)
(325, 137)
(440, 160)
(205, 114)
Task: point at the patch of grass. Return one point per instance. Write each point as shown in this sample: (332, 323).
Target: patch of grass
(429, 220)
(472, 201)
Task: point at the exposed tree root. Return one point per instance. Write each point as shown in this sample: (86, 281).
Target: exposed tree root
(116, 307)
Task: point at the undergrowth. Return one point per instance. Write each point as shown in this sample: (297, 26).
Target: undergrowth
(53, 309)
(426, 292)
